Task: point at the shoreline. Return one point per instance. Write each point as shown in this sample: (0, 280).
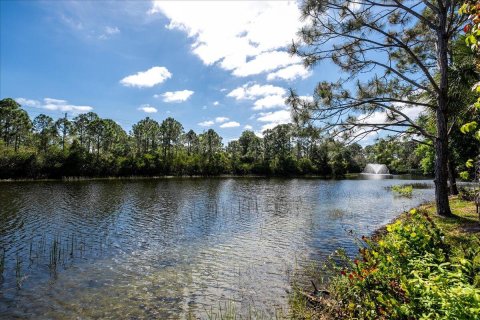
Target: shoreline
(167, 177)
(381, 265)
(222, 176)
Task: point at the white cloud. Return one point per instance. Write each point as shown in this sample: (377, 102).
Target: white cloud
(414, 112)
(266, 96)
(111, 30)
(53, 105)
(245, 37)
(254, 91)
(77, 25)
(221, 119)
(248, 127)
(290, 73)
(275, 118)
(208, 123)
(269, 102)
(266, 61)
(28, 102)
(148, 108)
(149, 78)
(306, 98)
(231, 124)
(259, 134)
(108, 32)
(379, 117)
(54, 101)
(177, 96)
(216, 103)
(354, 6)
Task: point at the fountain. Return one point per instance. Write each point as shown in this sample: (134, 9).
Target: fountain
(377, 170)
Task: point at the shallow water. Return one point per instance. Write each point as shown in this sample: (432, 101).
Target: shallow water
(173, 248)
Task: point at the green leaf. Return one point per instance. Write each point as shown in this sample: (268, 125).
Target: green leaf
(469, 163)
(471, 40)
(464, 175)
(467, 127)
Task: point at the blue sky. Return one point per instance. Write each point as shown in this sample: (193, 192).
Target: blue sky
(220, 65)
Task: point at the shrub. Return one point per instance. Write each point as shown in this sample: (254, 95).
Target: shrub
(407, 274)
(467, 193)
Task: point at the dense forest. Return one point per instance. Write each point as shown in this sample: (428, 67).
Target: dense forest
(89, 146)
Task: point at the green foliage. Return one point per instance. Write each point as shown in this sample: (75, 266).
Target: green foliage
(399, 156)
(411, 272)
(468, 127)
(468, 193)
(471, 9)
(405, 191)
(88, 145)
(464, 175)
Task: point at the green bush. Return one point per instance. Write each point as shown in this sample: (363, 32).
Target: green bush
(408, 274)
(468, 193)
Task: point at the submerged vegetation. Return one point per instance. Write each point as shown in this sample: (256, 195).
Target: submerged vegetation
(422, 267)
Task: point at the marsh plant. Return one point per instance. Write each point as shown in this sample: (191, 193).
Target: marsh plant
(420, 185)
(2, 262)
(229, 311)
(404, 191)
(18, 270)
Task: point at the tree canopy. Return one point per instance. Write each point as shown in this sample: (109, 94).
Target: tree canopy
(395, 56)
(88, 145)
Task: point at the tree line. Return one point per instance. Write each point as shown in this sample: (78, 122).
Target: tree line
(90, 146)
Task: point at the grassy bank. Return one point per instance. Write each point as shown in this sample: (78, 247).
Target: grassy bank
(419, 267)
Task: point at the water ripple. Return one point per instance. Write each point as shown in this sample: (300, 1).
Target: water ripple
(174, 247)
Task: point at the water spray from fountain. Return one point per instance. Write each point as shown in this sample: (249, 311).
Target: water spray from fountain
(377, 170)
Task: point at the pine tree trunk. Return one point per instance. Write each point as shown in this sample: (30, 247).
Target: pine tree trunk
(441, 174)
(452, 178)
(441, 141)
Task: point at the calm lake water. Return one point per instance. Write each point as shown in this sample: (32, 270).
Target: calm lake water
(172, 248)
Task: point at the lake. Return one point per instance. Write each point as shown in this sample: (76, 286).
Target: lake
(175, 248)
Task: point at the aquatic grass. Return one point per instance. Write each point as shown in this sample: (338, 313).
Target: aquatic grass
(30, 252)
(229, 312)
(403, 190)
(2, 262)
(18, 270)
(54, 255)
(420, 185)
